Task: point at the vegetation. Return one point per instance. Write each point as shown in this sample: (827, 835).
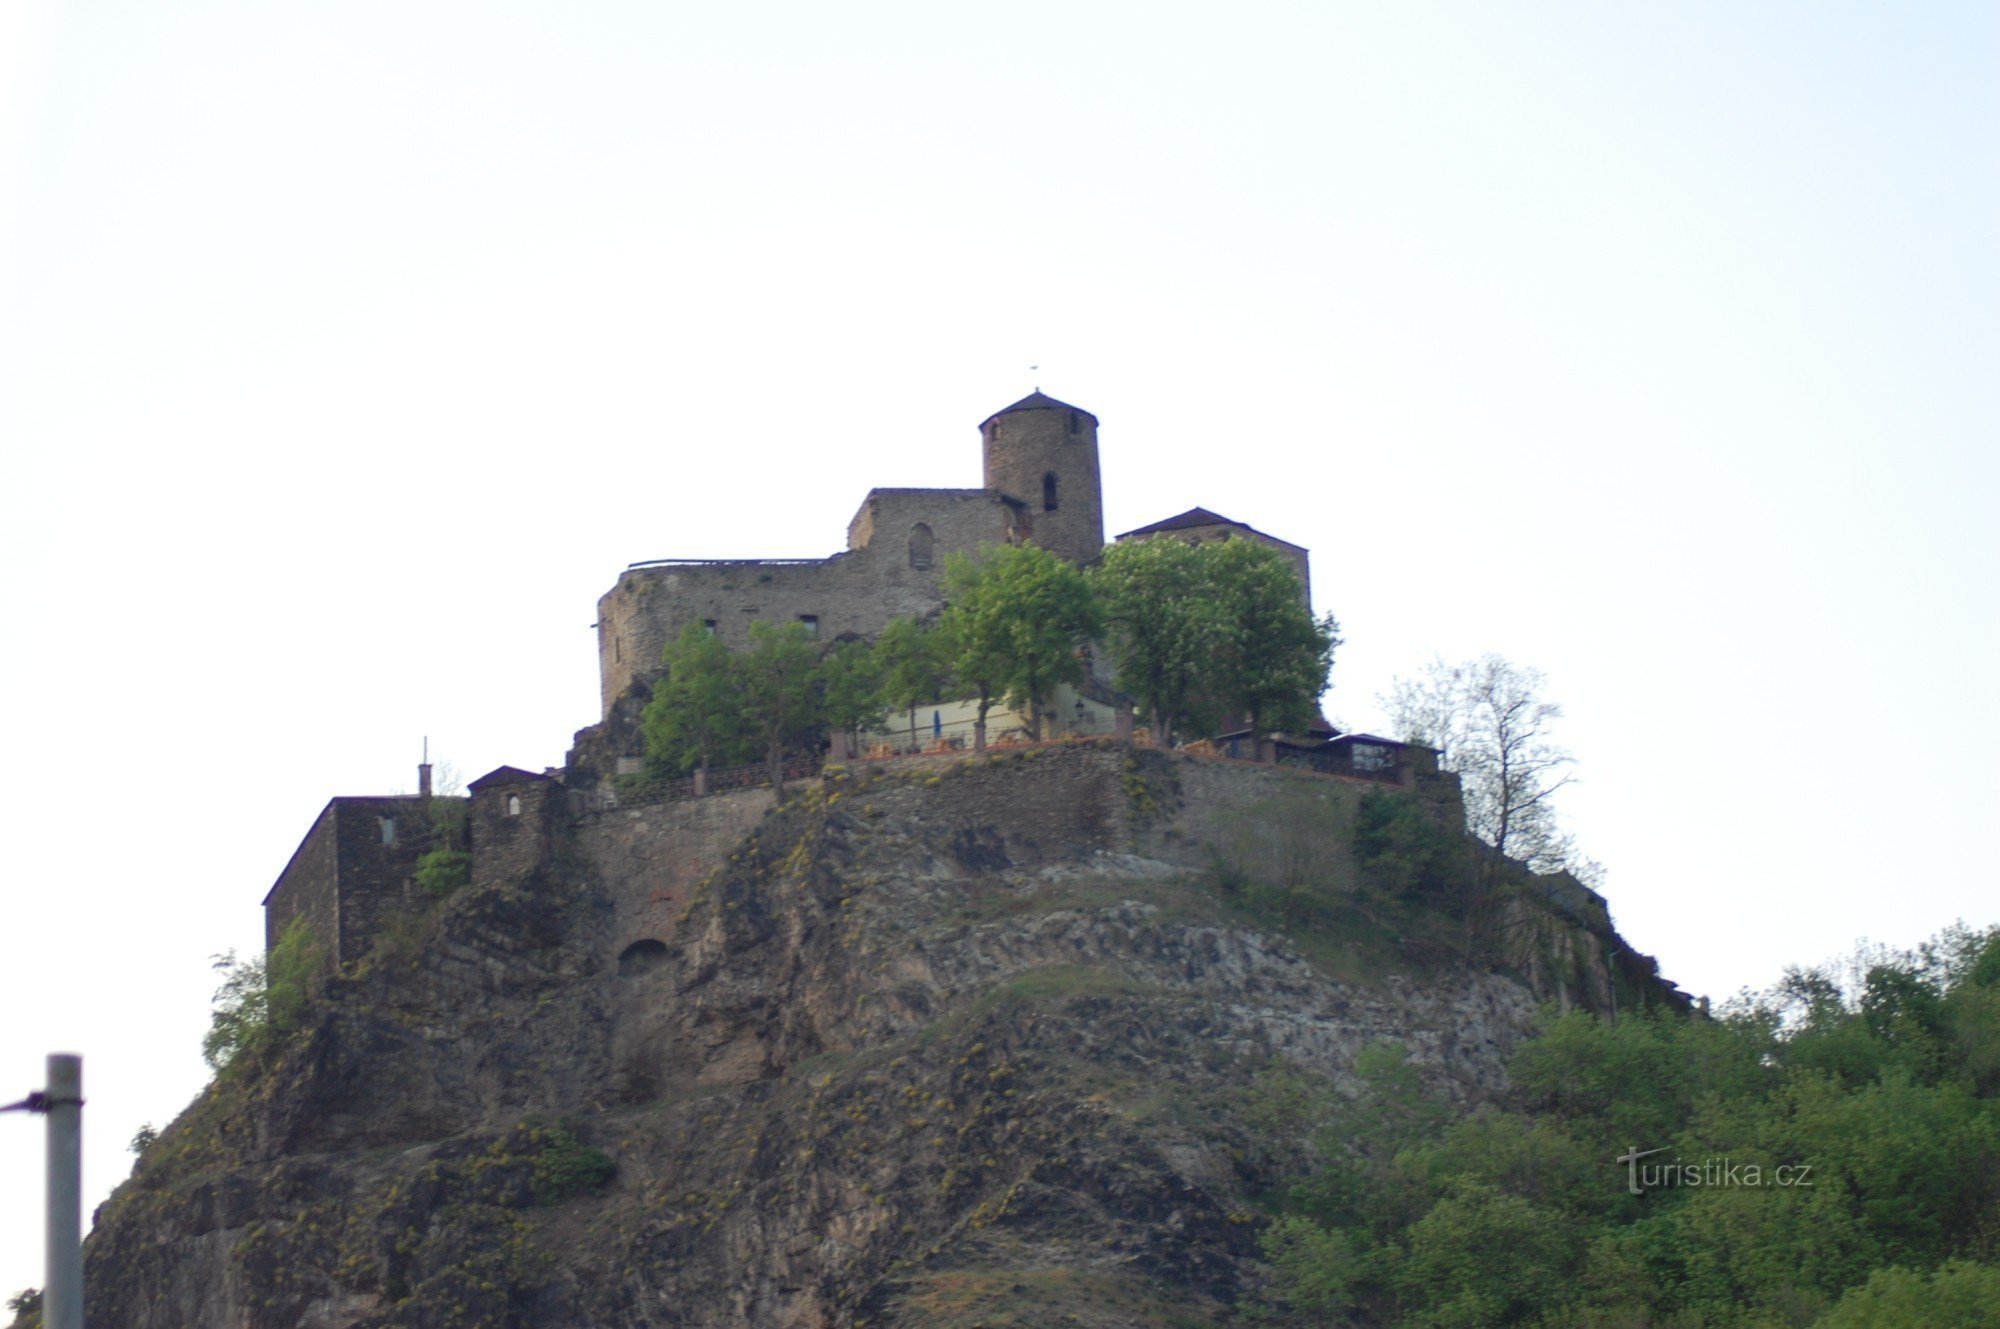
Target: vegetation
(27, 1307)
(446, 865)
(1167, 631)
(1220, 629)
(1017, 619)
(780, 691)
(695, 717)
(261, 998)
(1198, 632)
(912, 661)
(1276, 655)
(1492, 726)
(1827, 1154)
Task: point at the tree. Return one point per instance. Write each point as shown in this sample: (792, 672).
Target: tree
(851, 687)
(1491, 726)
(695, 717)
(911, 660)
(777, 695)
(1275, 655)
(1167, 629)
(1016, 616)
(261, 997)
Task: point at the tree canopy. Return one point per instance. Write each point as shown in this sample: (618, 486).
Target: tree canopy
(1168, 629)
(1827, 1154)
(1199, 632)
(695, 717)
(1016, 619)
(912, 660)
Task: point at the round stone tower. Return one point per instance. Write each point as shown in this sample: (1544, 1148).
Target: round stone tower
(1043, 452)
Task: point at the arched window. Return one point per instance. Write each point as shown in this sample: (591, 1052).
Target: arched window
(920, 545)
(1049, 492)
(513, 805)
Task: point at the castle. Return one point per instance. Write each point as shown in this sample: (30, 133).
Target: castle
(1041, 485)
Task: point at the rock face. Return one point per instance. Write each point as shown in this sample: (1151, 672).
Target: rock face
(978, 1042)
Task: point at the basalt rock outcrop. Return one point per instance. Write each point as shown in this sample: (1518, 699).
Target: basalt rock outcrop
(944, 1043)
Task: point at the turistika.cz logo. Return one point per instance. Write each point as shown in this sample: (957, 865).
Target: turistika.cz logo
(1642, 1177)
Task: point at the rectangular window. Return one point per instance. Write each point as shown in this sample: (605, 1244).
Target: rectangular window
(708, 626)
(812, 624)
(388, 829)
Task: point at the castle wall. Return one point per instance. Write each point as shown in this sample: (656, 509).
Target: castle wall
(309, 887)
(857, 592)
(374, 877)
(512, 827)
(343, 877)
(652, 858)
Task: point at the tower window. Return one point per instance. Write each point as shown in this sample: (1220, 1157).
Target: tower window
(1076, 422)
(1049, 492)
(920, 546)
(513, 805)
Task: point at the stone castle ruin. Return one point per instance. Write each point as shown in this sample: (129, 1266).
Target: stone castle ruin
(1041, 485)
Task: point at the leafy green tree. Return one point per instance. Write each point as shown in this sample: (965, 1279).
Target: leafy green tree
(1865, 1183)
(261, 997)
(913, 660)
(850, 684)
(778, 697)
(1017, 617)
(1960, 1294)
(1168, 627)
(695, 717)
(1275, 656)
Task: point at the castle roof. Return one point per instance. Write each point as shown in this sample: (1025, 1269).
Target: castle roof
(1202, 517)
(500, 775)
(1036, 401)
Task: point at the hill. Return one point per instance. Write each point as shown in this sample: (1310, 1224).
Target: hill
(938, 1042)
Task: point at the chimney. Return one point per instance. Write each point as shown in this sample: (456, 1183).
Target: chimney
(424, 780)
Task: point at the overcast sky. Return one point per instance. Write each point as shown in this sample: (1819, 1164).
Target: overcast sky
(347, 352)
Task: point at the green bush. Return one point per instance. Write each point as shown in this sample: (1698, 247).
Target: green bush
(442, 870)
(262, 997)
(566, 1167)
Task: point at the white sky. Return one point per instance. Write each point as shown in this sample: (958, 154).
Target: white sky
(348, 352)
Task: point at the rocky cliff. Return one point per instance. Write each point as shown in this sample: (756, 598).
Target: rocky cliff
(975, 1042)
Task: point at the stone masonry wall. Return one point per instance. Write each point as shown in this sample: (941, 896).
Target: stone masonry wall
(652, 857)
(343, 876)
(856, 592)
(507, 847)
(1022, 447)
(375, 877)
(309, 885)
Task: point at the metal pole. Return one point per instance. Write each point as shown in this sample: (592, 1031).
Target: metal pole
(62, 1298)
